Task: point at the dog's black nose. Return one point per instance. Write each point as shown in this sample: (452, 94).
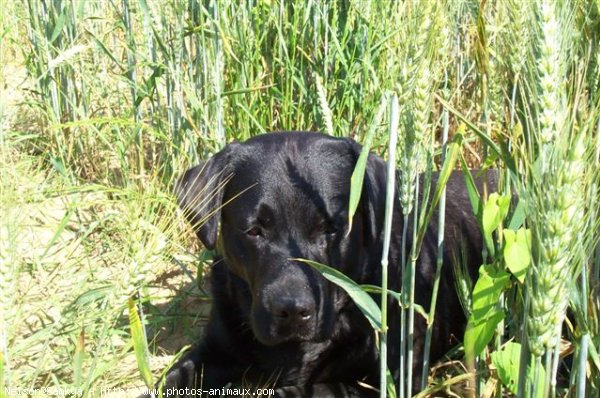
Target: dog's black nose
(293, 311)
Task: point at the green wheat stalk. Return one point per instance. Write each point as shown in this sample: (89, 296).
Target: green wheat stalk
(556, 193)
(417, 84)
(324, 105)
(387, 232)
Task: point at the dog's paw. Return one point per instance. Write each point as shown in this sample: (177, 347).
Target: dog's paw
(181, 376)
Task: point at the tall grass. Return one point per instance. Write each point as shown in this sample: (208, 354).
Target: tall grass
(123, 95)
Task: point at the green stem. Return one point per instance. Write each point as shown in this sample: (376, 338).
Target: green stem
(387, 233)
(403, 313)
(583, 349)
(411, 295)
(581, 365)
(524, 358)
(439, 261)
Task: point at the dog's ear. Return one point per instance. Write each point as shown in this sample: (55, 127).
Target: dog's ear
(372, 200)
(199, 193)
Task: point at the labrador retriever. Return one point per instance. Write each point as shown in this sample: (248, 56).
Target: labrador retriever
(276, 321)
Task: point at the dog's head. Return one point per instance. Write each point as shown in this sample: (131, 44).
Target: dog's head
(282, 196)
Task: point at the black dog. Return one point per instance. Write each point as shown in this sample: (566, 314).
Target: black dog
(276, 321)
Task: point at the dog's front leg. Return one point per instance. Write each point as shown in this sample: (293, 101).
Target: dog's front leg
(201, 369)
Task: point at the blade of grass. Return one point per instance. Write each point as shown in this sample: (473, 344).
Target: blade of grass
(140, 345)
(363, 301)
(444, 175)
(439, 262)
(78, 358)
(358, 175)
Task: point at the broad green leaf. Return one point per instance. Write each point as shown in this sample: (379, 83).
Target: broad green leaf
(479, 333)
(504, 205)
(488, 288)
(140, 345)
(494, 211)
(518, 216)
(507, 362)
(517, 252)
(363, 301)
(485, 315)
(490, 220)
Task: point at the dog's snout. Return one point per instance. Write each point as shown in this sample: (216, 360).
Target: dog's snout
(293, 311)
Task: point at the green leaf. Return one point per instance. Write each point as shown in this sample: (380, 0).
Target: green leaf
(61, 227)
(517, 252)
(506, 363)
(377, 290)
(92, 295)
(356, 181)
(140, 345)
(105, 50)
(472, 192)
(57, 164)
(479, 333)
(593, 354)
(358, 175)
(485, 315)
(518, 216)
(81, 9)
(504, 205)
(390, 384)
(362, 300)
(60, 23)
(495, 210)
(507, 360)
(444, 175)
(488, 288)
(78, 359)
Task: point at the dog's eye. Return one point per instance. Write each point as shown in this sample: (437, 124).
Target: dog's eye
(328, 228)
(254, 231)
